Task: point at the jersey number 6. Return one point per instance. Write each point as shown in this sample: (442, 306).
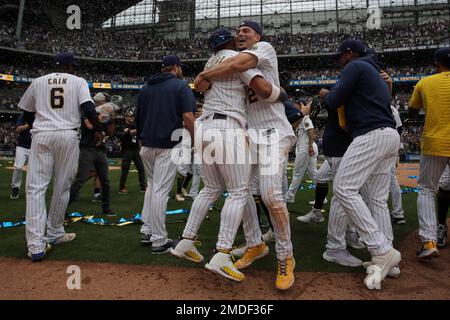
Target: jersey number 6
(57, 98)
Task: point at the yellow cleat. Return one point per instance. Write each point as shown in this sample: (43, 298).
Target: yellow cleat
(427, 250)
(252, 254)
(285, 275)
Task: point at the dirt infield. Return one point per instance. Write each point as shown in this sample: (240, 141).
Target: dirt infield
(21, 279)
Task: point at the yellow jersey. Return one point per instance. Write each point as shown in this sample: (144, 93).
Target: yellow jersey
(433, 95)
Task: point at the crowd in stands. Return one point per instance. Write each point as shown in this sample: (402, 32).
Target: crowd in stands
(8, 136)
(141, 44)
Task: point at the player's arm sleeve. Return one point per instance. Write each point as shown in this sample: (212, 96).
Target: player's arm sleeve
(28, 118)
(247, 76)
(416, 98)
(28, 100)
(230, 66)
(262, 51)
(83, 92)
(336, 97)
(293, 115)
(187, 99)
(88, 109)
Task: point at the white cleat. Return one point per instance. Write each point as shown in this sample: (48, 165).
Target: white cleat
(381, 265)
(314, 215)
(186, 249)
(313, 202)
(179, 198)
(239, 251)
(222, 265)
(67, 237)
(269, 236)
(393, 273)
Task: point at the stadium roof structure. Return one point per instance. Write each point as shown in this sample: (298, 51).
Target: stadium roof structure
(93, 12)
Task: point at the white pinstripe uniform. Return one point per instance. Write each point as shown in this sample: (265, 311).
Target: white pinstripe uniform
(56, 100)
(302, 158)
(444, 181)
(268, 126)
(365, 167)
(395, 191)
(226, 97)
(324, 174)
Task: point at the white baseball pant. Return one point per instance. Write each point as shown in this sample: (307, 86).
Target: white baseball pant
(52, 153)
(431, 169)
(396, 192)
(367, 160)
(160, 170)
(220, 174)
(324, 174)
(271, 194)
(300, 165)
(22, 155)
(444, 181)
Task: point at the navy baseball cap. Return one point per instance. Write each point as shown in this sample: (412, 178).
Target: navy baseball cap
(171, 60)
(65, 59)
(219, 37)
(252, 24)
(351, 45)
(442, 56)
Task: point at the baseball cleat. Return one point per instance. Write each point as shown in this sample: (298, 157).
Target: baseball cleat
(352, 240)
(35, 257)
(239, 251)
(252, 254)
(14, 193)
(146, 238)
(179, 197)
(222, 265)
(164, 248)
(315, 215)
(123, 191)
(186, 249)
(442, 231)
(398, 220)
(269, 236)
(285, 275)
(427, 250)
(393, 273)
(341, 257)
(380, 268)
(67, 237)
(313, 202)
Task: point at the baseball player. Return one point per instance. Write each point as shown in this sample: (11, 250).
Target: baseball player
(365, 164)
(56, 100)
(224, 113)
(130, 150)
(268, 129)
(431, 94)
(397, 215)
(443, 203)
(22, 153)
(303, 151)
(164, 104)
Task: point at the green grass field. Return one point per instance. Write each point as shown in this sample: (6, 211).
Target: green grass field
(121, 244)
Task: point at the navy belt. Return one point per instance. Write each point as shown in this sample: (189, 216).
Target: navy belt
(219, 116)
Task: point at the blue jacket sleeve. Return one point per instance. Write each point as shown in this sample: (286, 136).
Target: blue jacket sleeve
(344, 87)
(187, 99)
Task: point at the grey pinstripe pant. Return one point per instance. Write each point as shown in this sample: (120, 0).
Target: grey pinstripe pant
(52, 152)
(431, 169)
(365, 168)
